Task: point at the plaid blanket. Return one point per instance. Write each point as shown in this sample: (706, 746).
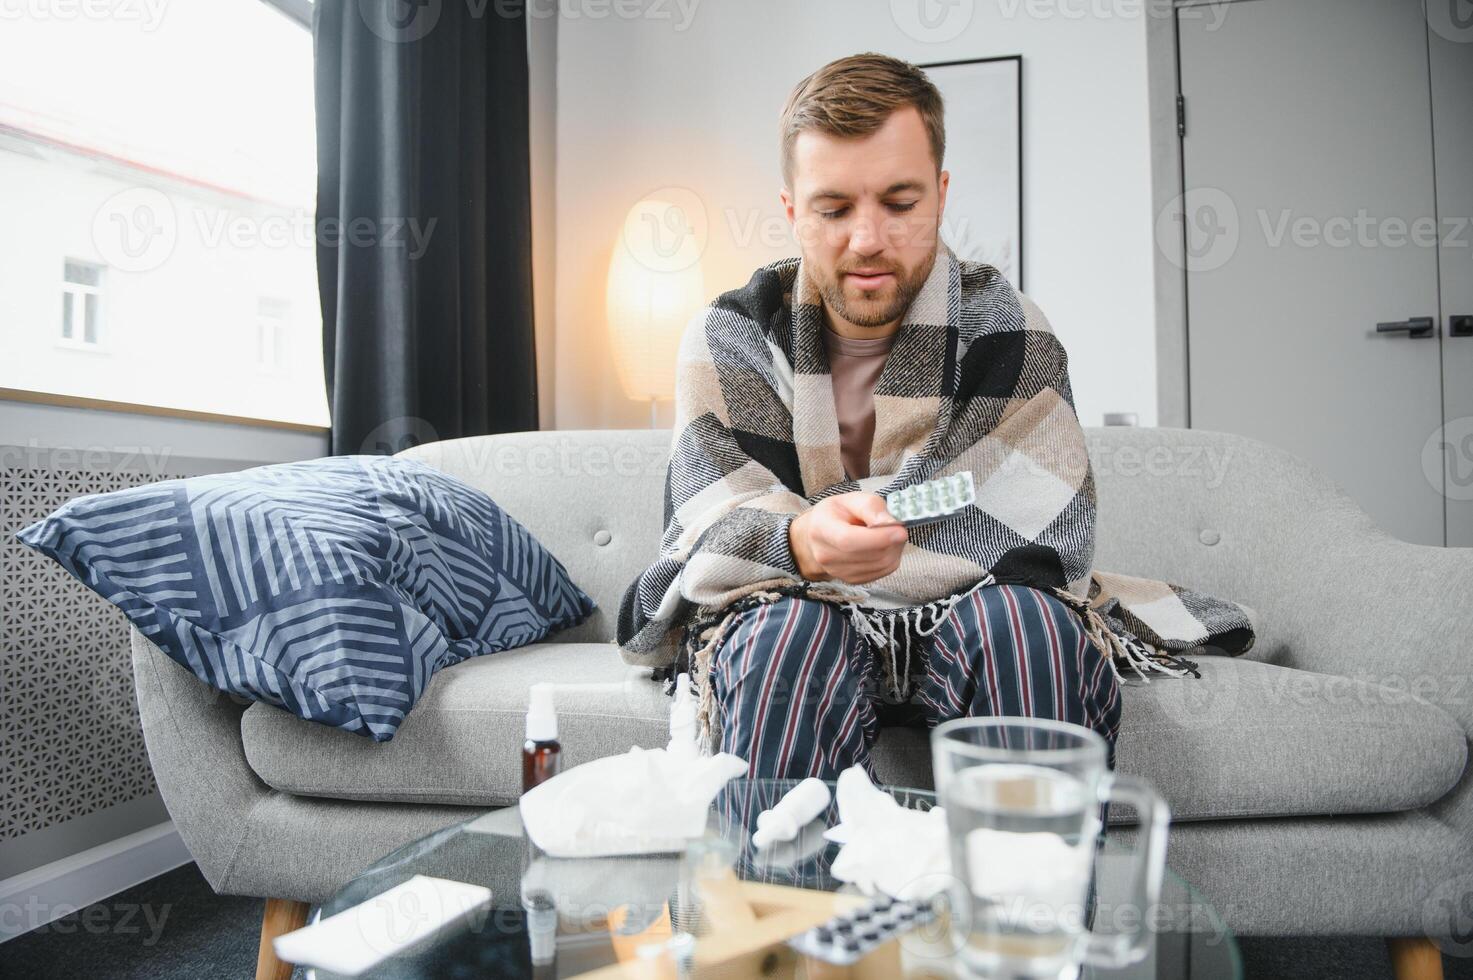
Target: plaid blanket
(975, 381)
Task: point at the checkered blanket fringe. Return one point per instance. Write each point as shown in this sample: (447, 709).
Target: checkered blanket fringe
(975, 381)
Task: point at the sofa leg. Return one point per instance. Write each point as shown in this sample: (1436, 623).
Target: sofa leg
(1415, 958)
(283, 915)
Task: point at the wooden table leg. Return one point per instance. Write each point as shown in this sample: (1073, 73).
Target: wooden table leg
(282, 915)
(1415, 958)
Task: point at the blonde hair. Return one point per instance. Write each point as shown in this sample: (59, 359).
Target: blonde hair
(853, 97)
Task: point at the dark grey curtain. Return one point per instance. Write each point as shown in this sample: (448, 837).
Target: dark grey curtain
(424, 248)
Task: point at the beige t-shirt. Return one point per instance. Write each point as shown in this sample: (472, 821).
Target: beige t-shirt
(855, 366)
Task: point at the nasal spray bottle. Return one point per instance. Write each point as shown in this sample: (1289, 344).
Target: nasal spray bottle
(542, 753)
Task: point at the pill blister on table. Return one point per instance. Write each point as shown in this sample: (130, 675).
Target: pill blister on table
(932, 500)
(850, 936)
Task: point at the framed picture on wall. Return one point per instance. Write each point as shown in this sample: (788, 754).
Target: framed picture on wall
(984, 154)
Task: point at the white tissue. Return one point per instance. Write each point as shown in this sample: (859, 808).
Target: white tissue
(356, 939)
(1039, 867)
(888, 848)
(642, 802)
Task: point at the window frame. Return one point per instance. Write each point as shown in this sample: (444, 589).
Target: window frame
(301, 13)
(79, 292)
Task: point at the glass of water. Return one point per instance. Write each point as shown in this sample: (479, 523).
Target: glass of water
(1023, 807)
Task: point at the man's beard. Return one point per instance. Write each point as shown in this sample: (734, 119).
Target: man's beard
(907, 285)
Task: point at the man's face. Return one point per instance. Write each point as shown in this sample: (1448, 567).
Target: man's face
(869, 205)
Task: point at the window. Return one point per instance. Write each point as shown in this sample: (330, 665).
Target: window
(272, 318)
(160, 162)
(81, 304)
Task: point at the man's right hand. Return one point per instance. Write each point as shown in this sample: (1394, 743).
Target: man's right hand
(850, 537)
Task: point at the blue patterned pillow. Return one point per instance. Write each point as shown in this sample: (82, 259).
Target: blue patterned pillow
(333, 588)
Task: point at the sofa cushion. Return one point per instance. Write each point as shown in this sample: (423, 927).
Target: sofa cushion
(462, 743)
(1246, 740)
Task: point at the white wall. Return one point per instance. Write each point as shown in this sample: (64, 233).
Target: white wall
(655, 98)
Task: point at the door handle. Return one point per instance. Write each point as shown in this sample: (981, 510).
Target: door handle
(1460, 325)
(1417, 326)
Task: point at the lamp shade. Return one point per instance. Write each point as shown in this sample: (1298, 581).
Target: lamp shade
(655, 286)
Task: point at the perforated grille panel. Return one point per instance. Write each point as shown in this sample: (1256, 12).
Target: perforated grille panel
(70, 742)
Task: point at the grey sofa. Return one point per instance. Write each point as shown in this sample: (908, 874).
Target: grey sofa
(1317, 784)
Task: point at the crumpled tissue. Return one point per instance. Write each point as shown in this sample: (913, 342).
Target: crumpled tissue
(886, 847)
(642, 802)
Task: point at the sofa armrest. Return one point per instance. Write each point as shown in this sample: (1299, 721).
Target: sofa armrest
(193, 736)
(1330, 591)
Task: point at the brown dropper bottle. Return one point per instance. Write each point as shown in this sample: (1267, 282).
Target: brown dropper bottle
(542, 753)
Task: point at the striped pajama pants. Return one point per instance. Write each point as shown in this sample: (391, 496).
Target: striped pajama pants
(798, 692)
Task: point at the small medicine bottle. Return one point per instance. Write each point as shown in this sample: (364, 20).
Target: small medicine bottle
(542, 752)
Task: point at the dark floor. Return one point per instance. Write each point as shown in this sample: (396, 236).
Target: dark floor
(175, 928)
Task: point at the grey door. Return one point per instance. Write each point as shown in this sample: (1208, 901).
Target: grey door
(1450, 47)
(1307, 160)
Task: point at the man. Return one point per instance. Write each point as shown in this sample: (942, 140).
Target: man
(875, 361)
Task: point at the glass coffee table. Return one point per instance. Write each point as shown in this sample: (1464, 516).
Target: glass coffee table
(583, 915)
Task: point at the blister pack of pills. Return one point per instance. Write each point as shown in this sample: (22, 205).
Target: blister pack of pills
(853, 935)
(932, 500)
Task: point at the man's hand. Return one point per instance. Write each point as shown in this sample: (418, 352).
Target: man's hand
(851, 537)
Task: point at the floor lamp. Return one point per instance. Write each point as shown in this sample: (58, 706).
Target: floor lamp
(655, 286)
